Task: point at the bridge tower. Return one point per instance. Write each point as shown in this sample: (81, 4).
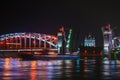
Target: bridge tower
(107, 40)
(61, 41)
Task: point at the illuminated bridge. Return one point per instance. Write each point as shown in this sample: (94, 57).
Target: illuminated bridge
(28, 42)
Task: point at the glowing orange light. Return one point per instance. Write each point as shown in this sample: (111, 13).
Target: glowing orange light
(107, 27)
(61, 29)
(33, 71)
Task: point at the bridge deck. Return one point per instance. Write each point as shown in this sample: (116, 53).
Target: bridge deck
(22, 50)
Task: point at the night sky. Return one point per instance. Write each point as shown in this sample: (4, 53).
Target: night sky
(47, 16)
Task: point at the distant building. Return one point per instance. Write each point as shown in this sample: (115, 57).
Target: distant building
(89, 41)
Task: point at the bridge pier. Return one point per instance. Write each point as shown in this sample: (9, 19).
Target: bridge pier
(107, 41)
(61, 41)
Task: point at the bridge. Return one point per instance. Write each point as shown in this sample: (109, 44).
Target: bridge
(26, 41)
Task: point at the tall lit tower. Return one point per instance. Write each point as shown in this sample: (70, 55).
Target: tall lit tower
(107, 39)
(61, 41)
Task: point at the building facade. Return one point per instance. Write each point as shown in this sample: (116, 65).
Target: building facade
(89, 41)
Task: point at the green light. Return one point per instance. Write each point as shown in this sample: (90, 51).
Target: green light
(69, 38)
(116, 52)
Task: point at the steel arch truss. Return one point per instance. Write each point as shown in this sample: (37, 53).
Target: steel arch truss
(27, 40)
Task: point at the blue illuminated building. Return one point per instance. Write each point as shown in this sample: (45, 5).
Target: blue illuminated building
(89, 41)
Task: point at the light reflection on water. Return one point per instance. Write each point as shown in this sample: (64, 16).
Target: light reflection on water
(85, 69)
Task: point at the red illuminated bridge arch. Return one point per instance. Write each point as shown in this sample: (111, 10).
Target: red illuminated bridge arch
(27, 40)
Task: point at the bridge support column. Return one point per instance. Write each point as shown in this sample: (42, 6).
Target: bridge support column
(25, 42)
(39, 42)
(45, 41)
(34, 42)
(61, 41)
(20, 42)
(29, 40)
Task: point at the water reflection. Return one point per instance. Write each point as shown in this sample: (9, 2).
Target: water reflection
(81, 69)
(33, 72)
(7, 68)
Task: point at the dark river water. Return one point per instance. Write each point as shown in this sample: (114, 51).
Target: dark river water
(80, 69)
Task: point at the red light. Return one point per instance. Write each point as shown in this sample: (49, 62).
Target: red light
(61, 29)
(107, 27)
